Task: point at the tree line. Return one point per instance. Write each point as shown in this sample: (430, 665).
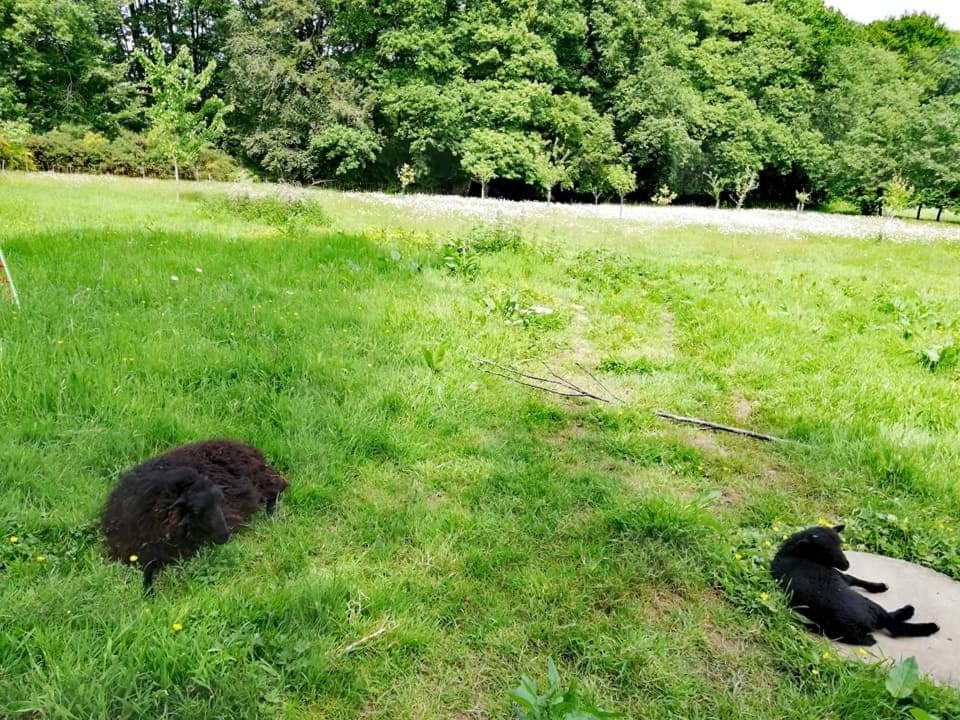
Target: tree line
(784, 101)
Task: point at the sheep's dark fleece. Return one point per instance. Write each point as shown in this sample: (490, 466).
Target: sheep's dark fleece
(239, 475)
(228, 461)
(808, 566)
(157, 515)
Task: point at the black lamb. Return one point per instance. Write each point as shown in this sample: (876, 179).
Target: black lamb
(808, 566)
(157, 515)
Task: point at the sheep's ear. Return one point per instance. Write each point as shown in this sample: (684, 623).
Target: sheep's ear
(839, 528)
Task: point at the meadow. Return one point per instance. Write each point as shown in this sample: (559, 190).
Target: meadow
(472, 527)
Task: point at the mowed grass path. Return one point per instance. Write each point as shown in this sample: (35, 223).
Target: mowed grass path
(485, 526)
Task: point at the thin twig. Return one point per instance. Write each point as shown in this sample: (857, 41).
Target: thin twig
(356, 645)
(508, 369)
(706, 424)
(584, 393)
(597, 381)
(513, 379)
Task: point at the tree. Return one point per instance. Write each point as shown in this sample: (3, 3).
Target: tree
(623, 182)
(180, 123)
(489, 154)
(746, 182)
(932, 153)
(300, 114)
(550, 173)
(717, 184)
(406, 175)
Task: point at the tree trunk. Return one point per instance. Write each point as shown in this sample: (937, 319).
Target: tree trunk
(549, 195)
(176, 175)
(939, 213)
(596, 198)
(718, 202)
(919, 210)
(483, 189)
(621, 206)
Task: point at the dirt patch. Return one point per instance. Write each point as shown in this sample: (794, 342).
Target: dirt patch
(742, 409)
(706, 442)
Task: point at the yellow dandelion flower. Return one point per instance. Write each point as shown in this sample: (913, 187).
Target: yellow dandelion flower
(815, 672)
(825, 522)
(776, 528)
(738, 556)
(826, 656)
(764, 596)
(863, 652)
(176, 627)
(14, 539)
(41, 558)
(134, 558)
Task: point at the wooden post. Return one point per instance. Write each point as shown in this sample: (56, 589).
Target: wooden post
(7, 279)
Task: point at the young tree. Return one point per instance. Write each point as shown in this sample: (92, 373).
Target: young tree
(716, 184)
(180, 124)
(551, 172)
(407, 176)
(623, 182)
(747, 181)
(489, 154)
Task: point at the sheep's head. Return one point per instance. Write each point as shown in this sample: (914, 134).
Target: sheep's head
(821, 545)
(199, 506)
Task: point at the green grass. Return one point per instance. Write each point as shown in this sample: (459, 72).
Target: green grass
(487, 527)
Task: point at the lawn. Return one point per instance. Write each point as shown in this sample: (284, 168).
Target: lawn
(484, 527)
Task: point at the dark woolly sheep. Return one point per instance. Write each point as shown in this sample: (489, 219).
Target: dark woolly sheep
(230, 463)
(808, 566)
(159, 514)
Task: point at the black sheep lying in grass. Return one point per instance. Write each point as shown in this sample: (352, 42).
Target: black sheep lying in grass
(228, 461)
(808, 567)
(239, 474)
(159, 514)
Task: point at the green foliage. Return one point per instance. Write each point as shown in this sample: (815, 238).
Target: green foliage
(180, 124)
(664, 196)
(602, 270)
(15, 152)
(898, 194)
(460, 259)
(902, 678)
(555, 702)
(406, 175)
(282, 213)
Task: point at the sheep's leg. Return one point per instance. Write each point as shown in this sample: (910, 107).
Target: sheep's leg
(148, 573)
(870, 587)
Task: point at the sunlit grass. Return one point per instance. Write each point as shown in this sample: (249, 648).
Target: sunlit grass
(485, 526)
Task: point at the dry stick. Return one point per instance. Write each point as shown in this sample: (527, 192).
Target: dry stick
(583, 393)
(592, 377)
(517, 372)
(365, 639)
(716, 426)
(513, 379)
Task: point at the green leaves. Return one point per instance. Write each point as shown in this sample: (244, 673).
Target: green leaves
(555, 702)
(902, 678)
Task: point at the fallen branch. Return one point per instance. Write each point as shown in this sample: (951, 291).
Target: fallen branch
(560, 385)
(707, 425)
(356, 645)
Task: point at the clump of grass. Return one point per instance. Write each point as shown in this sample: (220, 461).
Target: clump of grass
(276, 212)
(600, 270)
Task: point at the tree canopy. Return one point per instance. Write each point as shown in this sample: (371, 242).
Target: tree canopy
(591, 98)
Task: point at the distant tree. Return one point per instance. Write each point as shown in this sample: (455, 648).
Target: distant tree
(407, 176)
(716, 185)
(491, 154)
(550, 172)
(623, 182)
(181, 123)
(932, 153)
(746, 182)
